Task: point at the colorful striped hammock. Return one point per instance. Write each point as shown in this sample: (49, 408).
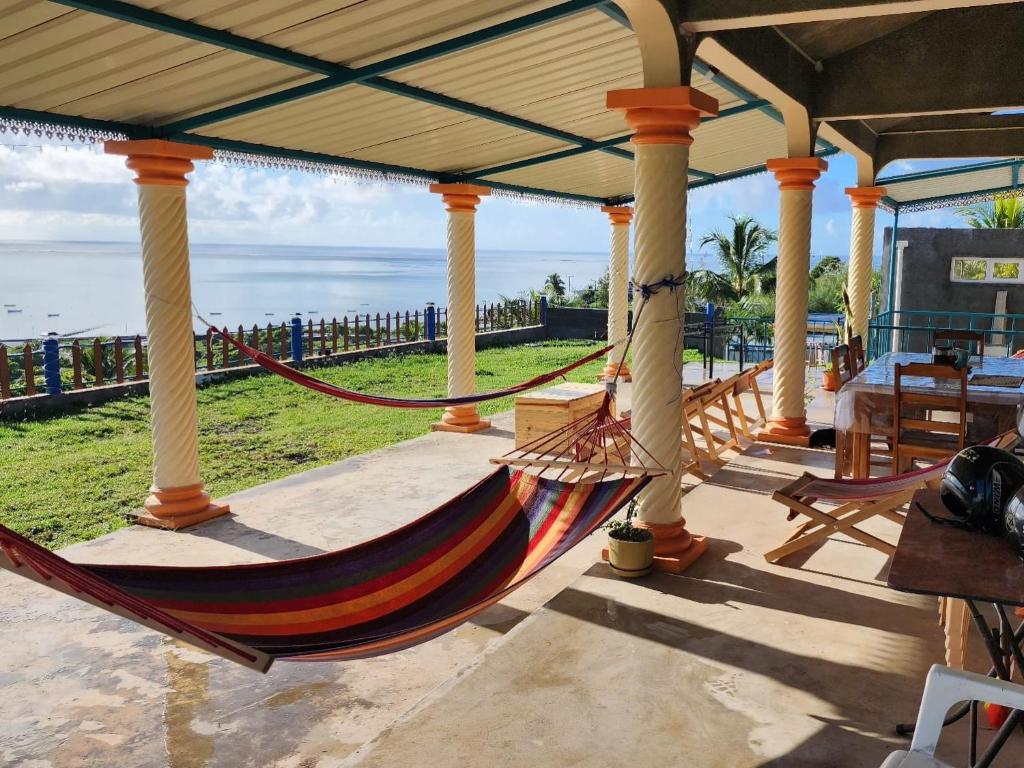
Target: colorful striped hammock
(384, 595)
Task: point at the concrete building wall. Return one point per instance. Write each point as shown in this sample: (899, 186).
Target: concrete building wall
(927, 260)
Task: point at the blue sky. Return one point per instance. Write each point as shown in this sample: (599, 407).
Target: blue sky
(77, 193)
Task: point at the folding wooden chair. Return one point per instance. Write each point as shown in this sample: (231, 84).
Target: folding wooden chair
(747, 382)
(715, 419)
(976, 338)
(696, 453)
(917, 434)
(852, 502)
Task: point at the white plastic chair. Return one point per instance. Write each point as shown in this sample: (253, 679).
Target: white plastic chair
(944, 688)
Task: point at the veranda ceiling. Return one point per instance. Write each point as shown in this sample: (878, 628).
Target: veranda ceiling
(955, 186)
(506, 92)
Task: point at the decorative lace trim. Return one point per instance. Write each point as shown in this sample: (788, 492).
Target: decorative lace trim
(958, 201)
(58, 132)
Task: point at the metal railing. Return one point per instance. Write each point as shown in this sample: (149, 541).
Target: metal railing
(913, 330)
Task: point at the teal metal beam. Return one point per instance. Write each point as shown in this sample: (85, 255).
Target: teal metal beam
(957, 198)
(349, 76)
(562, 154)
(955, 170)
(164, 23)
(72, 122)
(731, 176)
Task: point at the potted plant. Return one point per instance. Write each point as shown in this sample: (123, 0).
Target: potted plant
(630, 549)
(829, 380)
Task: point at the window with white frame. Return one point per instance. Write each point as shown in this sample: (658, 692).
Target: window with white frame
(970, 269)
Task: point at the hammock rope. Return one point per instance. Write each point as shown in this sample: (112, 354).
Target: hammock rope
(295, 376)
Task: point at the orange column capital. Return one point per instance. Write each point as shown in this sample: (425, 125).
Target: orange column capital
(865, 197)
(620, 215)
(797, 173)
(663, 115)
(159, 162)
(460, 198)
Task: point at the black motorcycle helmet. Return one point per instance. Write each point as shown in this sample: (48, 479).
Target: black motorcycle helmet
(979, 483)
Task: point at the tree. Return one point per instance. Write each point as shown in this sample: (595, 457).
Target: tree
(1005, 213)
(742, 255)
(827, 265)
(704, 285)
(554, 287)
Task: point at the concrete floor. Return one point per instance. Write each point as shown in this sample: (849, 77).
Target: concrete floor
(737, 663)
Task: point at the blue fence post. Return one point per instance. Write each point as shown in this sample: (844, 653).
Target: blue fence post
(543, 310)
(296, 339)
(709, 338)
(431, 322)
(51, 365)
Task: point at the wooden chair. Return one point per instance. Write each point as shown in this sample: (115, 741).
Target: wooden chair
(747, 382)
(857, 358)
(842, 365)
(917, 433)
(838, 506)
(977, 338)
(704, 408)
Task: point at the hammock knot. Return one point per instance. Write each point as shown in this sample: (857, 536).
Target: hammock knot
(669, 281)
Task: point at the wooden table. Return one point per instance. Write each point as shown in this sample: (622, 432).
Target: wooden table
(936, 559)
(864, 406)
(543, 412)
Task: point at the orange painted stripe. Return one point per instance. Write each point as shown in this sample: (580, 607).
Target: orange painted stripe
(367, 607)
(554, 533)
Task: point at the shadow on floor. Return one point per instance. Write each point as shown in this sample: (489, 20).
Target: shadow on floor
(231, 530)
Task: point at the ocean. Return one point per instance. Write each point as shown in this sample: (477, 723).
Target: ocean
(96, 288)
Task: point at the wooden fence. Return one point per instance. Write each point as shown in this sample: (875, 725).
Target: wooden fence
(85, 363)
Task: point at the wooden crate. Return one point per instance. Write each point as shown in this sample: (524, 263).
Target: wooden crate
(543, 412)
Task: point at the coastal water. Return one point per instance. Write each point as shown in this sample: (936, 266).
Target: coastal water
(96, 288)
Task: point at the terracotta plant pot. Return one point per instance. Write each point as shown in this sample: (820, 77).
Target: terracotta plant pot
(630, 559)
(829, 380)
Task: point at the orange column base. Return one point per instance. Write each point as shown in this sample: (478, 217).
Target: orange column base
(675, 548)
(609, 372)
(461, 418)
(175, 508)
(791, 430)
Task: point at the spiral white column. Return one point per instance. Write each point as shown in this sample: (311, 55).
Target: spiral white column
(618, 291)
(461, 201)
(662, 119)
(796, 177)
(177, 497)
(862, 244)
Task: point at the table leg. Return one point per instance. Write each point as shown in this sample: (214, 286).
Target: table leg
(860, 449)
(905, 729)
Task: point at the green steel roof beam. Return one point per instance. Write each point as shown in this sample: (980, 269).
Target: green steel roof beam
(190, 30)
(72, 122)
(955, 170)
(547, 158)
(957, 198)
(348, 76)
(732, 175)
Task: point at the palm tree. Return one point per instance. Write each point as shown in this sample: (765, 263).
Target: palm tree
(703, 285)
(742, 254)
(1005, 213)
(554, 286)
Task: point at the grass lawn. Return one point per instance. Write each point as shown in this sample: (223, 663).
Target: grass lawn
(74, 477)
